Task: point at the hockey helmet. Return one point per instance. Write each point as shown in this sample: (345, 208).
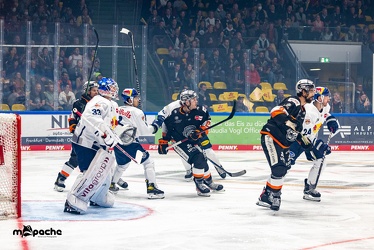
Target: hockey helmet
(321, 91)
(129, 94)
(187, 95)
(108, 88)
(89, 85)
(304, 84)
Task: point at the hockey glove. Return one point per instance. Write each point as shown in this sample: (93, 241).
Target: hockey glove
(305, 142)
(294, 124)
(162, 145)
(320, 148)
(332, 124)
(195, 135)
(155, 127)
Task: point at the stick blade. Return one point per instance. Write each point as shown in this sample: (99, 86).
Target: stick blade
(124, 31)
(236, 174)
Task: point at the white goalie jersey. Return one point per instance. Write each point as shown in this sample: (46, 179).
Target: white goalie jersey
(132, 117)
(99, 112)
(314, 120)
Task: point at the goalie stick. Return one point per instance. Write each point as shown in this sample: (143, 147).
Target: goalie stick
(137, 161)
(210, 127)
(94, 58)
(322, 161)
(235, 174)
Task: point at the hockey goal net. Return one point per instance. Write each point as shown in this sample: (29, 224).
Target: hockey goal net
(10, 166)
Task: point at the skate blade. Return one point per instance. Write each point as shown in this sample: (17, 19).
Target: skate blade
(58, 189)
(203, 194)
(311, 198)
(113, 192)
(155, 196)
(188, 179)
(262, 204)
(218, 191)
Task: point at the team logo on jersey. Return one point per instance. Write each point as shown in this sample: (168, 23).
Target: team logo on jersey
(97, 105)
(307, 121)
(198, 118)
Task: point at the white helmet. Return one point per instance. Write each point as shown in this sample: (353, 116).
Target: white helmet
(304, 84)
(187, 95)
(90, 85)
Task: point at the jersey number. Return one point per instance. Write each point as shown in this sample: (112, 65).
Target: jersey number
(96, 112)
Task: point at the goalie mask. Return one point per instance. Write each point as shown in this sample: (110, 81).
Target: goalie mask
(321, 92)
(128, 96)
(126, 133)
(108, 88)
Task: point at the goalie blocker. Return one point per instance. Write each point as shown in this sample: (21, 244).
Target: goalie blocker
(92, 185)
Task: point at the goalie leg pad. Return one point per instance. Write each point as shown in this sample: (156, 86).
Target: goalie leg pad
(96, 175)
(77, 204)
(102, 196)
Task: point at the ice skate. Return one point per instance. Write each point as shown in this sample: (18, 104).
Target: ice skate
(188, 176)
(93, 204)
(69, 209)
(310, 193)
(201, 189)
(60, 183)
(264, 199)
(113, 188)
(269, 199)
(153, 192)
(213, 186)
(221, 173)
(123, 184)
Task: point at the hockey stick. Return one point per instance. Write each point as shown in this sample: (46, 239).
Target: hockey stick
(210, 127)
(235, 174)
(130, 34)
(137, 161)
(94, 58)
(322, 161)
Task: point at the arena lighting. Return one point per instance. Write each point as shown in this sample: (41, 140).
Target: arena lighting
(315, 69)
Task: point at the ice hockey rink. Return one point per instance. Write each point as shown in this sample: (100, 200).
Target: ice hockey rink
(231, 220)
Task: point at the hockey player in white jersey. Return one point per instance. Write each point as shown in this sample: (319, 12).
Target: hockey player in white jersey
(92, 138)
(316, 114)
(204, 140)
(132, 124)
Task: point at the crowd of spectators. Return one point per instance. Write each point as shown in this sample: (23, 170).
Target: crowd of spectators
(239, 41)
(43, 15)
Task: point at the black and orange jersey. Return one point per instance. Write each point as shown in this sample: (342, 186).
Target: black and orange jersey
(289, 109)
(180, 124)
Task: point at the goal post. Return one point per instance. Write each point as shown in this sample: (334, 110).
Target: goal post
(10, 166)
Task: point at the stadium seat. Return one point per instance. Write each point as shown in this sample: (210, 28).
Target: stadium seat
(174, 97)
(208, 84)
(268, 95)
(368, 19)
(18, 107)
(213, 97)
(4, 107)
(219, 85)
(280, 85)
(256, 95)
(265, 85)
(222, 107)
(261, 109)
(222, 98)
(162, 51)
(230, 96)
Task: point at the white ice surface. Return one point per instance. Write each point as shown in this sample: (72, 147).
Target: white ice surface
(342, 220)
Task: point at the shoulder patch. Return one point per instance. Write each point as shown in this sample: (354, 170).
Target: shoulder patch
(294, 100)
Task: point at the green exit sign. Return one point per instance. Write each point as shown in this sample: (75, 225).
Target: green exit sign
(324, 59)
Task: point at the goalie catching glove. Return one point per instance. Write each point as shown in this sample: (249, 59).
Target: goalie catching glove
(162, 145)
(319, 150)
(332, 124)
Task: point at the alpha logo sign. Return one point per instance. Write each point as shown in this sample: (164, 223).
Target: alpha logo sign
(343, 131)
